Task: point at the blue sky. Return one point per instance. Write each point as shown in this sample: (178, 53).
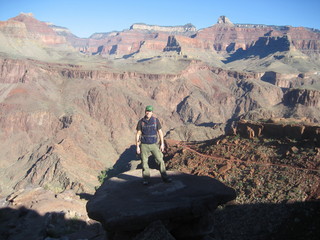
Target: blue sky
(84, 18)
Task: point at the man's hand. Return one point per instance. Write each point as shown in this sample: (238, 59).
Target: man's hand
(138, 135)
(138, 149)
(162, 147)
(161, 140)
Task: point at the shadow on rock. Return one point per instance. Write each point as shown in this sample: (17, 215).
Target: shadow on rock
(23, 223)
(194, 207)
(185, 206)
(85, 196)
(300, 220)
(263, 47)
(127, 161)
(123, 164)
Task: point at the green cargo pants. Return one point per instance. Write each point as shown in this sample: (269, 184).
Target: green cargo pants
(146, 151)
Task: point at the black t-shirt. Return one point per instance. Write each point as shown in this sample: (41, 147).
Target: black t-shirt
(139, 125)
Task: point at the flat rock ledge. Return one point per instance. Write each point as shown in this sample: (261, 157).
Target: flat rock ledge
(126, 208)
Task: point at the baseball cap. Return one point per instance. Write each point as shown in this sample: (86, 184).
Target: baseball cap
(149, 108)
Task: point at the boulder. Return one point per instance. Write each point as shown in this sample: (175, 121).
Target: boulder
(125, 206)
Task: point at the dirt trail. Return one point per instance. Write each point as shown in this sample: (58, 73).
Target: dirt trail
(189, 148)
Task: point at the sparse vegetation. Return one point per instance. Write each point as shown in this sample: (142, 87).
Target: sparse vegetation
(261, 170)
(53, 188)
(103, 175)
(275, 179)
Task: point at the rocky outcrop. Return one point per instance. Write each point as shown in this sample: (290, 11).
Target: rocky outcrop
(172, 45)
(306, 97)
(224, 20)
(185, 206)
(282, 128)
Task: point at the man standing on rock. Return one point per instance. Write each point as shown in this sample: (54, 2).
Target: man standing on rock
(148, 129)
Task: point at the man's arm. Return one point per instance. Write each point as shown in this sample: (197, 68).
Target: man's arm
(138, 135)
(161, 140)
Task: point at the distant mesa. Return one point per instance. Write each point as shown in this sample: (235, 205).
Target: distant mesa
(185, 28)
(103, 35)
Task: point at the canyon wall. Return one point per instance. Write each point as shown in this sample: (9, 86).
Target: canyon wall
(69, 106)
(62, 124)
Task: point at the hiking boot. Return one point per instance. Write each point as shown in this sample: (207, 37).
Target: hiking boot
(145, 182)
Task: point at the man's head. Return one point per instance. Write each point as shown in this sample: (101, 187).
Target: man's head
(149, 111)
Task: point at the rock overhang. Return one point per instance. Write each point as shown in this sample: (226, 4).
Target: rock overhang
(123, 203)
